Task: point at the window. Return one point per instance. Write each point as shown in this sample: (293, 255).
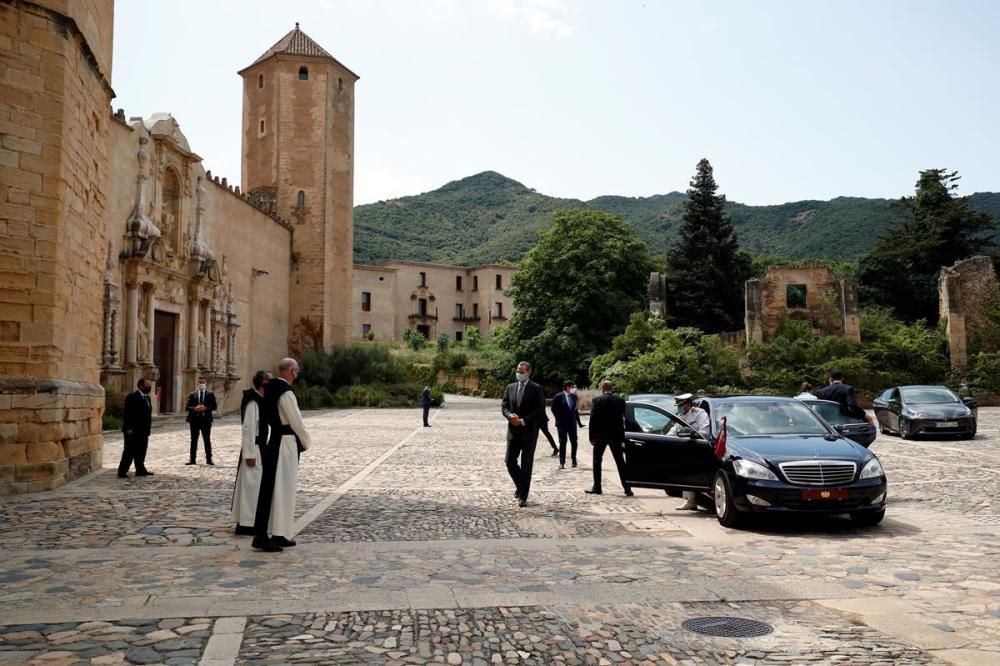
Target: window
(651, 420)
(301, 199)
(499, 281)
(260, 80)
(459, 311)
(475, 310)
(366, 301)
(340, 84)
(795, 296)
(498, 310)
(422, 307)
(458, 283)
(423, 279)
(261, 125)
(475, 283)
(458, 336)
(366, 329)
(303, 73)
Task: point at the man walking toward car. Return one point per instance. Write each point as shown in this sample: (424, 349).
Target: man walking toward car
(607, 430)
(564, 409)
(200, 408)
(524, 408)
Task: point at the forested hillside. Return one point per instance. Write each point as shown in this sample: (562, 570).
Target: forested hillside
(489, 217)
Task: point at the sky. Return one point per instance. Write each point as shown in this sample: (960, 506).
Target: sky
(789, 100)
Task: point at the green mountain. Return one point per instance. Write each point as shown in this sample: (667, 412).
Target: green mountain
(489, 217)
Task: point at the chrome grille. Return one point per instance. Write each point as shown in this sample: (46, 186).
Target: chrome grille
(819, 472)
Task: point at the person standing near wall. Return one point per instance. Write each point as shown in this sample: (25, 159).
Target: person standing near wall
(137, 421)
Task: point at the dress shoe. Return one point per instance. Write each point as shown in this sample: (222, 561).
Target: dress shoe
(593, 491)
(574, 463)
(555, 452)
(522, 502)
(191, 462)
(210, 463)
(562, 466)
(282, 542)
(123, 476)
(144, 472)
(265, 545)
(427, 425)
(628, 492)
(244, 530)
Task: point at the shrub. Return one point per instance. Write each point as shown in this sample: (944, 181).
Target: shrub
(414, 340)
(110, 422)
(315, 397)
(442, 342)
(984, 372)
(371, 336)
(345, 365)
(473, 339)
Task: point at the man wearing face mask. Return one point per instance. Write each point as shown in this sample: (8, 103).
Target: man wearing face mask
(564, 408)
(524, 408)
(697, 420)
(136, 422)
(200, 406)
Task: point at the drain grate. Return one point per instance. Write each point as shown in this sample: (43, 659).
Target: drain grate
(732, 627)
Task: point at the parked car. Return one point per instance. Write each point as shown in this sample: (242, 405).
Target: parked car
(662, 399)
(779, 458)
(858, 429)
(925, 410)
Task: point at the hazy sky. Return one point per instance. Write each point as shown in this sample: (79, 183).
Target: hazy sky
(789, 100)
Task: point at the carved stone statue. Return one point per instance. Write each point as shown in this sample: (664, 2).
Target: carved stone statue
(140, 227)
(202, 350)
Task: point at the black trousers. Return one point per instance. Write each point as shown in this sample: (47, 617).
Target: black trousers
(544, 428)
(565, 433)
(616, 452)
(205, 428)
(427, 412)
(269, 472)
(134, 450)
(521, 473)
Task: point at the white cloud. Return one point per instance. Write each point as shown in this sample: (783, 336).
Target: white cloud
(539, 15)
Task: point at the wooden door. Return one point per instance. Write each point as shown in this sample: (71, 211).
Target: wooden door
(164, 353)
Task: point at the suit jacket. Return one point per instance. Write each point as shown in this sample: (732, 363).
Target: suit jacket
(531, 409)
(564, 409)
(607, 419)
(844, 395)
(138, 415)
(425, 397)
(209, 402)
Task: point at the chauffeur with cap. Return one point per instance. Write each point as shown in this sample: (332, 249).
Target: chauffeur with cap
(697, 420)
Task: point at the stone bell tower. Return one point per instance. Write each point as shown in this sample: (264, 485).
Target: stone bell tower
(298, 160)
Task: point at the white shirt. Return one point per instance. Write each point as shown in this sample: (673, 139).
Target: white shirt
(805, 396)
(697, 418)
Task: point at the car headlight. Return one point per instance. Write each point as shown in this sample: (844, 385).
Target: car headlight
(752, 470)
(872, 469)
(915, 413)
(967, 412)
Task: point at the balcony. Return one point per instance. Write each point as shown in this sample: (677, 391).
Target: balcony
(467, 320)
(416, 316)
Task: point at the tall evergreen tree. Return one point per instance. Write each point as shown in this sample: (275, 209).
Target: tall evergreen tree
(938, 230)
(705, 269)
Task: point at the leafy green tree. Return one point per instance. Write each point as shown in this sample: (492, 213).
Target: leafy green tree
(575, 291)
(442, 341)
(706, 270)
(938, 229)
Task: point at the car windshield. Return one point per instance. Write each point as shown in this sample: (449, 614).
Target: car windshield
(764, 417)
(928, 395)
(830, 411)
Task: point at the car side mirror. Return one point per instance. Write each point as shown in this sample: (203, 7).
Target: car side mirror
(686, 432)
(969, 402)
(893, 401)
(840, 428)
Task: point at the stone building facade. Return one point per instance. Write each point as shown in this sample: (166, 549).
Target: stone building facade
(430, 299)
(964, 290)
(809, 293)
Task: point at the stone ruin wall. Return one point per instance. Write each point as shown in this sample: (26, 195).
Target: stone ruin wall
(831, 305)
(963, 290)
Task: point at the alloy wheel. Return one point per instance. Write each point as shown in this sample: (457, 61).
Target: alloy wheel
(720, 496)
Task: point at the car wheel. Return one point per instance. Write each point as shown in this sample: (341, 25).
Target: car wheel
(904, 429)
(725, 509)
(867, 518)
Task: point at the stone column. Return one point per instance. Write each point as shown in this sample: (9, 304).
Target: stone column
(150, 318)
(131, 321)
(193, 315)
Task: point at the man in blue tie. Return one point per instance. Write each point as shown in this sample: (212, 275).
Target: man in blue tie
(564, 408)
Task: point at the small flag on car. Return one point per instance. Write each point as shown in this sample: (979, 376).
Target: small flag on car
(720, 441)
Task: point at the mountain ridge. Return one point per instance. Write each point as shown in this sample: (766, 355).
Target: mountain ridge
(489, 217)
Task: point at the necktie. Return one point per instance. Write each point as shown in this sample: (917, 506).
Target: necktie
(201, 397)
(520, 392)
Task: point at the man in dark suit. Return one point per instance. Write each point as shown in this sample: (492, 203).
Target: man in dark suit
(843, 394)
(425, 398)
(524, 408)
(607, 430)
(200, 406)
(564, 408)
(136, 423)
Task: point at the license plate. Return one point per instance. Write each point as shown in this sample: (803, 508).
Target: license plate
(947, 424)
(825, 494)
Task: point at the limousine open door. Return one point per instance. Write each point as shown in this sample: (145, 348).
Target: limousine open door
(661, 451)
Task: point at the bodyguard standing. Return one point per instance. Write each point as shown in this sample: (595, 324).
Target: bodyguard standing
(200, 407)
(564, 408)
(607, 430)
(136, 423)
(524, 408)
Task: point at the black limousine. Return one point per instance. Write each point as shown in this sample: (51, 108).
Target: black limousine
(778, 457)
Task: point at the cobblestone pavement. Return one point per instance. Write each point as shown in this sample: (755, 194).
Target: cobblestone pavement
(412, 550)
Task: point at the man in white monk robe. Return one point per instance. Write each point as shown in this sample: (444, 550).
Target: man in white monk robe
(287, 439)
(249, 467)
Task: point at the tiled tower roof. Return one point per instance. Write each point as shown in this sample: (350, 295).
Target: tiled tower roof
(295, 42)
